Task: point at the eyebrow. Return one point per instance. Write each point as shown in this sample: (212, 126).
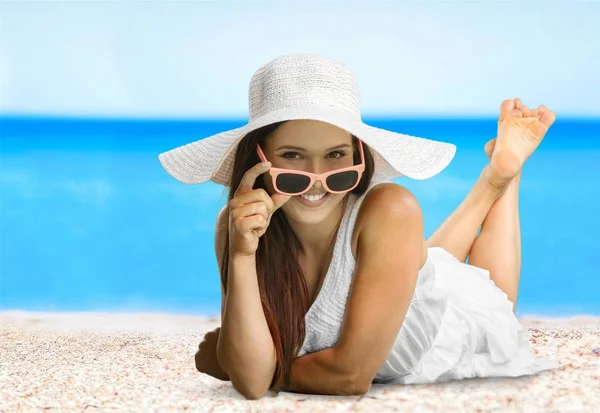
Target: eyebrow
(344, 145)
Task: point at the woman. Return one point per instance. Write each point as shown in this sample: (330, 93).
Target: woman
(328, 284)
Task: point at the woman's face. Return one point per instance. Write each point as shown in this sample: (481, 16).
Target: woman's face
(313, 151)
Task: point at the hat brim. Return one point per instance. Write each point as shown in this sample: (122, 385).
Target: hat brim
(395, 154)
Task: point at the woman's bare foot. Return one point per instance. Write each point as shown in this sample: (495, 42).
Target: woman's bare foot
(520, 131)
(489, 148)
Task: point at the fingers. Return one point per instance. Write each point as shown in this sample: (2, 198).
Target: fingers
(257, 223)
(211, 335)
(250, 176)
(273, 202)
(253, 216)
(249, 210)
(254, 196)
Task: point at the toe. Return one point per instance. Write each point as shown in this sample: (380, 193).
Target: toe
(507, 104)
(523, 108)
(505, 108)
(548, 118)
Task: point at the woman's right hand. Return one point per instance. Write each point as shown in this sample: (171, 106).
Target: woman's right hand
(250, 212)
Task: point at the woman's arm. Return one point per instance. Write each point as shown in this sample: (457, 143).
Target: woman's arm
(245, 348)
(321, 373)
(391, 250)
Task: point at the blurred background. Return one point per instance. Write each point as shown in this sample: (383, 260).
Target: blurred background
(92, 92)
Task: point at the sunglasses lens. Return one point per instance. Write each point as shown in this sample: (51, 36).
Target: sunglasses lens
(342, 181)
(292, 183)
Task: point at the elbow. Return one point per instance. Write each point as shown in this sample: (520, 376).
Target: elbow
(358, 385)
(250, 392)
(250, 376)
(361, 387)
(361, 380)
(254, 395)
(248, 384)
(357, 381)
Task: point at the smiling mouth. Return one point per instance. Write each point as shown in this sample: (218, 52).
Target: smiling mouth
(314, 198)
(308, 203)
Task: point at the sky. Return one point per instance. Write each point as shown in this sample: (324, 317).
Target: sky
(195, 59)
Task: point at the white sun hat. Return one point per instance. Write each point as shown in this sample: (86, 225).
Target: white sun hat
(307, 86)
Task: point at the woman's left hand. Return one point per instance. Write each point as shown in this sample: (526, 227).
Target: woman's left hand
(206, 356)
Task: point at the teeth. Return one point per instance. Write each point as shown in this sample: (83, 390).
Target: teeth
(313, 198)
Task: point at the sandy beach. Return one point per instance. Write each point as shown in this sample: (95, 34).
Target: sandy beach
(103, 362)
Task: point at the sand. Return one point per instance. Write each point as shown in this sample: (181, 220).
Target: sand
(103, 362)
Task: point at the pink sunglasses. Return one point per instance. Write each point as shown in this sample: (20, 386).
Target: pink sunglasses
(293, 182)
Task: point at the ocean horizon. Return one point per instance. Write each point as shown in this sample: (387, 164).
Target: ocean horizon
(92, 222)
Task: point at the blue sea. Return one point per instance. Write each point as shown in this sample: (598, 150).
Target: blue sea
(91, 221)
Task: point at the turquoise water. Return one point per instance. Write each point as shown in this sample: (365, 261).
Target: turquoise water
(91, 221)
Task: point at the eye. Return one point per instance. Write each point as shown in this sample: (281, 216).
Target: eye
(290, 155)
(285, 155)
(342, 154)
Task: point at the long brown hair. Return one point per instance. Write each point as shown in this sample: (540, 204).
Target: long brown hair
(281, 282)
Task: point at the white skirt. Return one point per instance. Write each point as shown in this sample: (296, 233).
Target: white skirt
(472, 329)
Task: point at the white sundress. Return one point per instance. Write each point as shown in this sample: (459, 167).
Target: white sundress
(459, 323)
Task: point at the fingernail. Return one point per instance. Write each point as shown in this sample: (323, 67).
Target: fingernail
(266, 164)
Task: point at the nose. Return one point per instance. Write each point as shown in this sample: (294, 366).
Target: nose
(316, 169)
(318, 185)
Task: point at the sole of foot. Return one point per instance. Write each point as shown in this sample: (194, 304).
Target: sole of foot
(520, 132)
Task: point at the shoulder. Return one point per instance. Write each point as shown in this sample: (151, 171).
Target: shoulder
(390, 197)
(386, 203)
(387, 200)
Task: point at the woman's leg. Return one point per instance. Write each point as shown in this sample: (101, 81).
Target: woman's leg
(498, 246)
(457, 233)
(520, 131)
